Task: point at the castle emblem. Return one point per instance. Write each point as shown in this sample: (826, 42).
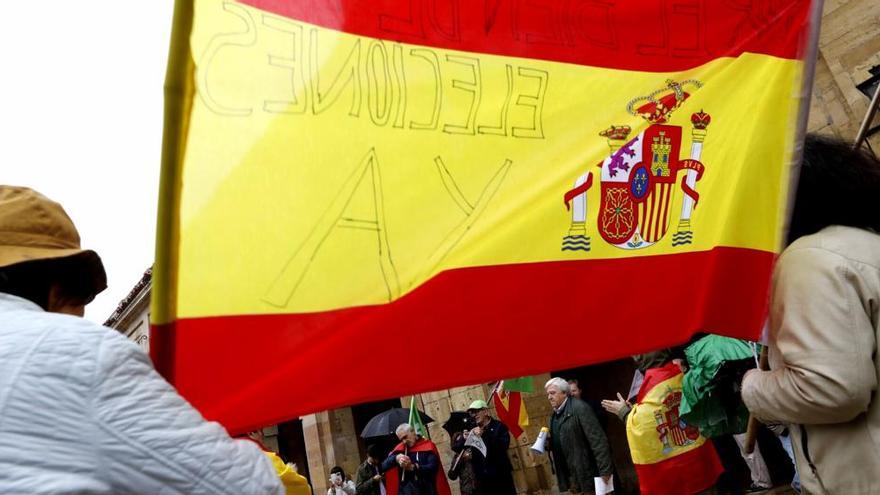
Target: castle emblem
(638, 179)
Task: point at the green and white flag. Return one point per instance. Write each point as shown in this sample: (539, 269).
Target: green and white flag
(523, 384)
(415, 419)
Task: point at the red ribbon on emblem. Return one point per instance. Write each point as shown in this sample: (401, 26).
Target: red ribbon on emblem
(695, 165)
(570, 195)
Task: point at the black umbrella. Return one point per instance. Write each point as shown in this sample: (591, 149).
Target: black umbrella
(458, 421)
(386, 423)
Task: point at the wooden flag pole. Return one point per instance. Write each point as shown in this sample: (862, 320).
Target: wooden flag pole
(752, 430)
(402, 469)
(458, 458)
(869, 117)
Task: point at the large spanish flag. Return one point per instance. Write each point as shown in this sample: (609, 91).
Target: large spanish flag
(353, 191)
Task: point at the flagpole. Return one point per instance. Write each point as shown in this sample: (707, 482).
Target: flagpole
(419, 413)
(179, 96)
(869, 117)
(458, 458)
(753, 425)
(810, 55)
(495, 389)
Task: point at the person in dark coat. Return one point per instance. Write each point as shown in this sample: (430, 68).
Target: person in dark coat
(579, 447)
(575, 391)
(369, 475)
(414, 467)
(467, 462)
(497, 477)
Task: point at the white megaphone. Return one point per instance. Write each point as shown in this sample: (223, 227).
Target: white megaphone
(540, 444)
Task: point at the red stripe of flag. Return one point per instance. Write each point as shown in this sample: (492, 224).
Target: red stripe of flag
(656, 376)
(652, 215)
(251, 357)
(691, 472)
(648, 35)
(661, 213)
(664, 220)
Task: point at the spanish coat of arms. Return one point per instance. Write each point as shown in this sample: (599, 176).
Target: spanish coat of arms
(638, 179)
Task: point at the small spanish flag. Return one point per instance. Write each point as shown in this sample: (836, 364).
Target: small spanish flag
(510, 408)
(670, 456)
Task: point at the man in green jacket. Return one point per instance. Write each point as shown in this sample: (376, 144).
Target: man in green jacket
(578, 445)
(370, 478)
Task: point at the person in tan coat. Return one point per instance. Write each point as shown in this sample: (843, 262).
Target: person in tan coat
(824, 318)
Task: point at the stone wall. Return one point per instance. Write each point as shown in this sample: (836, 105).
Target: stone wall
(849, 45)
(330, 441)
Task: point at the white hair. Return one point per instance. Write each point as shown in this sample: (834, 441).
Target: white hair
(404, 428)
(559, 383)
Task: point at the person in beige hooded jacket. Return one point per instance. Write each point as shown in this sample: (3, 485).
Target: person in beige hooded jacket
(824, 315)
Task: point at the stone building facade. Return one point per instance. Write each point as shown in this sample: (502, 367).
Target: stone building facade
(847, 69)
(132, 315)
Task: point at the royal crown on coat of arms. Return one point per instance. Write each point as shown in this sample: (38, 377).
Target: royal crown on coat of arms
(638, 178)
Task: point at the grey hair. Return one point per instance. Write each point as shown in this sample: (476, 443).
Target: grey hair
(404, 428)
(559, 383)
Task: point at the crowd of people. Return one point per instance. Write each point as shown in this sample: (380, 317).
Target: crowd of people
(669, 456)
(83, 411)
